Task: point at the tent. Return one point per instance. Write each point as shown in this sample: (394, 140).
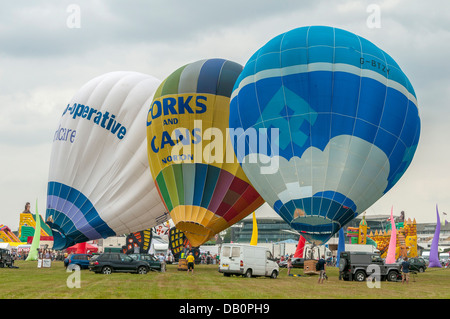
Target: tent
(287, 241)
(23, 248)
(5, 246)
(89, 248)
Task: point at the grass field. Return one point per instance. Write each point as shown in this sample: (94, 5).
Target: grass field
(30, 282)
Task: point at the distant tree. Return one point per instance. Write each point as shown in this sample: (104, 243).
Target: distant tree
(227, 237)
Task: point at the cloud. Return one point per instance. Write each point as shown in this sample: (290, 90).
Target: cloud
(42, 28)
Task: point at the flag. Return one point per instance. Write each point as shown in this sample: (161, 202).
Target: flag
(390, 258)
(34, 249)
(434, 250)
(254, 240)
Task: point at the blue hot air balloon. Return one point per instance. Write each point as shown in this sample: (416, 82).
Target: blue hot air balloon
(341, 124)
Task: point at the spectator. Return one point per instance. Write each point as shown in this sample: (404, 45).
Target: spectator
(289, 266)
(321, 268)
(190, 262)
(405, 270)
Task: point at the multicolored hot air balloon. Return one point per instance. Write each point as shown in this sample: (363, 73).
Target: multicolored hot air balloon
(99, 180)
(346, 121)
(201, 183)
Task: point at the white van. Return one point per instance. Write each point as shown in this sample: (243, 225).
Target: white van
(248, 261)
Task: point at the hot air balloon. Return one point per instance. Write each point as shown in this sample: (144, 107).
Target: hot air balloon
(202, 185)
(346, 121)
(99, 180)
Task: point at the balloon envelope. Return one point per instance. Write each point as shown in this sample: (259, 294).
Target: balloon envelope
(99, 181)
(346, 122)
(204, 189)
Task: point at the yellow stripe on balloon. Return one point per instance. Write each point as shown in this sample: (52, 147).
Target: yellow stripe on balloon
(254, 240)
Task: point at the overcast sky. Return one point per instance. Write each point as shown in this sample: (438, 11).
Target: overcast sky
(48, 51)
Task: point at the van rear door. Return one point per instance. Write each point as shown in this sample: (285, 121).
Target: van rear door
(231, 258)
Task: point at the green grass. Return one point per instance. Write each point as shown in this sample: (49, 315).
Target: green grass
(30, 282)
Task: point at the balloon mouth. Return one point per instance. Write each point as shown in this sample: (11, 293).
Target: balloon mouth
(312, 220)
(60, 240)
(197, 234)
(197, 223)
(315, 229)
(317, 218)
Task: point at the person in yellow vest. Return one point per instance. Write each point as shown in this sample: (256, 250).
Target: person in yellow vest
(190, 262)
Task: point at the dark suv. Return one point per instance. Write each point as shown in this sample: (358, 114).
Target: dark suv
(417, 264)
(107, 263)
(296, 263)
(354, 265)
(153, 262)
(5, 258)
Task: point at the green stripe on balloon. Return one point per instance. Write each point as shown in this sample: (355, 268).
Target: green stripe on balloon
(164, 192)
(171, 83)
(169, 179)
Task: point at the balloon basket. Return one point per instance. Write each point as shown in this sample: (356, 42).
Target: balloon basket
(310, 267)
(182, 265)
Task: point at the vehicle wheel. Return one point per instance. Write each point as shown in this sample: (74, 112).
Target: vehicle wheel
(421, 269)
(248, 273)
(392, 276)
(106, 270)
(360, 275)
(142, 270)
(226, 274)
(274, 274)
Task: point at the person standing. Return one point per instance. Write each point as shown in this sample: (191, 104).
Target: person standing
(190, 262)
(289, 266)
(321, 268)
(27, 208)
(405, 270)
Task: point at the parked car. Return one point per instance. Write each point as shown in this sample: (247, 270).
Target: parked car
(296, 263)
(108, 263)
(417, 264)
(153, 262)
(5, 258)
(81, 260)
(354, 265)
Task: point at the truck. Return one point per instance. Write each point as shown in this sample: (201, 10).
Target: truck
(358, 265)
(5, 259)
(248, 261)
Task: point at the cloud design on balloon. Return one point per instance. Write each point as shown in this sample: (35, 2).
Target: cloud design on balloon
(348, 165)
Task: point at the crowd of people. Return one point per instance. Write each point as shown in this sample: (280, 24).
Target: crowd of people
(43, 253)
(208, 259)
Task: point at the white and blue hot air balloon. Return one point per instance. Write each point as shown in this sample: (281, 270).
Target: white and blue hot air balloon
(100, 183)
(347, 126)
